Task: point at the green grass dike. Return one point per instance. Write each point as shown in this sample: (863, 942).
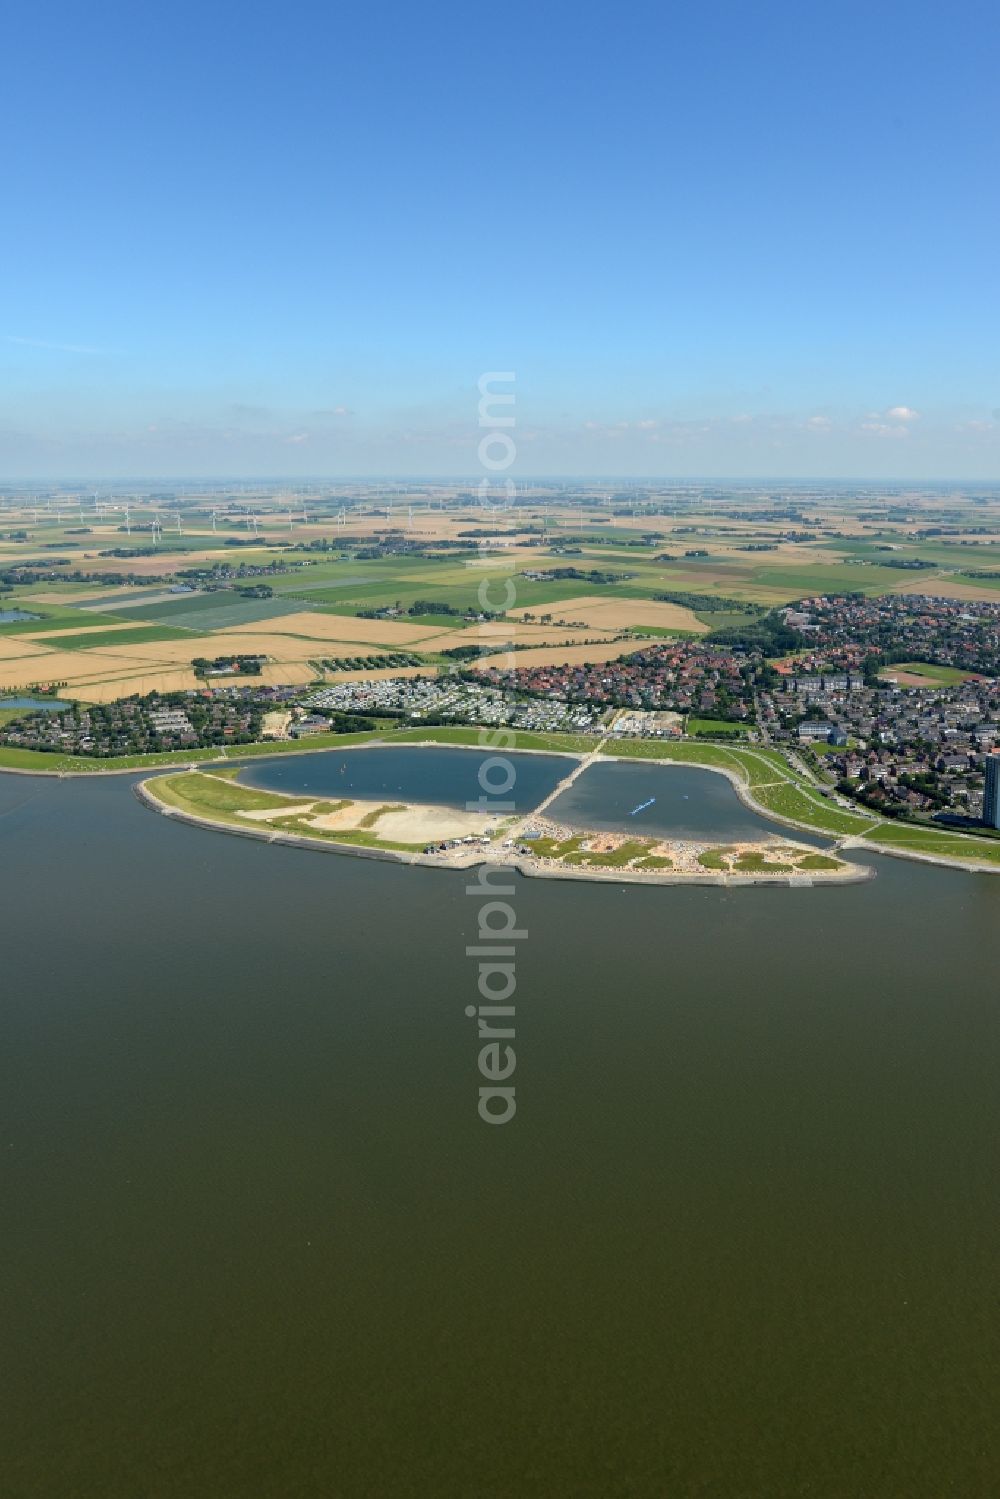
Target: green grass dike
(217, 797)
(772, 784)
(905, 838)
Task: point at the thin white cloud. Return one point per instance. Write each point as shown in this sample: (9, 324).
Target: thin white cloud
(55, 348)
(902, 414)
(884, 429)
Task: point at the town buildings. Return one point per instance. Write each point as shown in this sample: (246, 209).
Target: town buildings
(991, 794)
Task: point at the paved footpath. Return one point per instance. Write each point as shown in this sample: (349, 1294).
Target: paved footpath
(563, 785)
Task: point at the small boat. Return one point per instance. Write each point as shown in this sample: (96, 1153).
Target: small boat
(642, 806)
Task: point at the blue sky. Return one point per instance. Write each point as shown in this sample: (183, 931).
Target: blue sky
(710, 239)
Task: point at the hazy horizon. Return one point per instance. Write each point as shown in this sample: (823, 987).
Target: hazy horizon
(274, 247)
(524, 481)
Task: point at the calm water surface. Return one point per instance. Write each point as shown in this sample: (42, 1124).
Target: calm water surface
(40, 704)
(741, 1241)
(446, 777)
(686, 802)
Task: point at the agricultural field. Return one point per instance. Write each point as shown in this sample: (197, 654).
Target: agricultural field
(568, 655)
(210, 611)
(115, 637)
(326, 558)
(923, 674)
(622, 614)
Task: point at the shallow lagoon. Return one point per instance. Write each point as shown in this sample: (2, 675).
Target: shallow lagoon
(446, 777)
(687, 802)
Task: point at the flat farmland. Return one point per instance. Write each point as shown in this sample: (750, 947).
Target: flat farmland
(18, 647)
(483, 635)
(952, 586)
(323, 628)
(117, 636)
(51, 619)
(569, 655)
(625, 614)
(163, 564)
(212, 611)
(226, 643)
(128, 600)
(70, 667)
(108, 689)
(380, 674)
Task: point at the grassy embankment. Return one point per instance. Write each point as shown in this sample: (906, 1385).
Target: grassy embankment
(218, 797)
(490, 739)
(942, 845)
(774, 785)
(771, 781)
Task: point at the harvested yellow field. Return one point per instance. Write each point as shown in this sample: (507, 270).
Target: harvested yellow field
(570, 655)
(622, 614)
(54, 666)
(151, 567)
(66, 595)
(108, 689)
(13, 647)
(950, 588)
(182, 652)
(289, 674)
(486, 637)
(338, 627)
(381, 675)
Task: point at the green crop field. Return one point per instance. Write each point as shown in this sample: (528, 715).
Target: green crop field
(213, 611)
(111, 638)
(935, 676)
(53, 618)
